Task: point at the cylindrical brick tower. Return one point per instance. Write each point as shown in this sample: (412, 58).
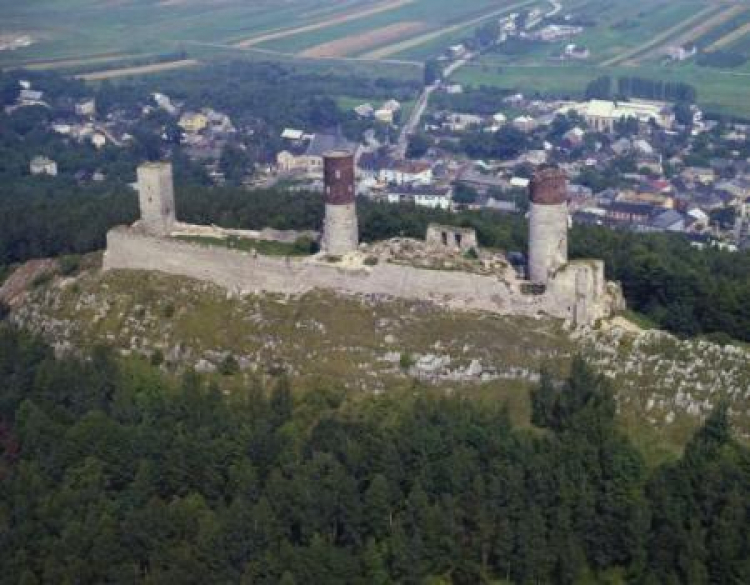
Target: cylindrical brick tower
(548, 224)
(340, 231)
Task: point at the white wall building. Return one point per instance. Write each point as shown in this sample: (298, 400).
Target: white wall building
(41, 165)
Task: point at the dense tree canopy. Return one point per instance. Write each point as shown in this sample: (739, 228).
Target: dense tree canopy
(110, 473)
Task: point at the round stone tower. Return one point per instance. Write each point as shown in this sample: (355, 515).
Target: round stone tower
(548, 224)
(340, 231)
(156, 197)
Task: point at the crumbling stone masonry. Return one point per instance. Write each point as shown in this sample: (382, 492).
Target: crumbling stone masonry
(451, 237)
(576, 291)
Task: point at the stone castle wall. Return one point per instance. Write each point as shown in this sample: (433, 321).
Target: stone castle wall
(578, 295)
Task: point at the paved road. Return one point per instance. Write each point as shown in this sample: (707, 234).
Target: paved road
(411, 124)
(421, 106)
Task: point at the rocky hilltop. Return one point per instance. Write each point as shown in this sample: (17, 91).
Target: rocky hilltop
(664, 386)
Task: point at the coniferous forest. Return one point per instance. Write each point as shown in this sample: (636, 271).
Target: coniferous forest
(111, 473)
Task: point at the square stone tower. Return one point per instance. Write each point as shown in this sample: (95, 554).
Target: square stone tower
(156, 197)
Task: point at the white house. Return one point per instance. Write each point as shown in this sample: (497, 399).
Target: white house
(41, 165)
(292, 134)
(406, 172)
(524, 123)
(384, 115)
(461, 122)
(423, 196)
(86, 108)
(99, 140)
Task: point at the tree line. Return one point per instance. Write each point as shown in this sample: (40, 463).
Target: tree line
(640, 87)
(110, 473)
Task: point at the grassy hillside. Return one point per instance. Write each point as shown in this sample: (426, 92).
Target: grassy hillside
(665, 386)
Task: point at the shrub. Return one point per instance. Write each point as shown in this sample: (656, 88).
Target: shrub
(229, 366)
(41, 279)
(305, 245)
(168, 310)
(406, 361)
(69, 265)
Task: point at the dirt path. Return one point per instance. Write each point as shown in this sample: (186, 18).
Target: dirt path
(342, 18)
(425, 38)
(630, 55)
(140, 70)
(360, 42)
(728, 39)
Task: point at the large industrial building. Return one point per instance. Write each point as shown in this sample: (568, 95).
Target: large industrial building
(602, 115)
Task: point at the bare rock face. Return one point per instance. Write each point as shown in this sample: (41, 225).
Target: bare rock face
(23, 278)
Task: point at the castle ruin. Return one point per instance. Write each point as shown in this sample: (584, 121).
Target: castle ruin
(548, 225)
(448, 268)
(156, 198)
(340, 232)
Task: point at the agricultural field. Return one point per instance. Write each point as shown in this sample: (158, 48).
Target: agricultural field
(629, 38)
(78, 29)
(87, 31)
(425, 17)
(104, 39)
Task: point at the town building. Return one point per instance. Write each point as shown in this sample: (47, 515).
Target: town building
(86, 108)
(308, 158)
(41, 165)
(193, 122)
(433, 197)
(602, 115)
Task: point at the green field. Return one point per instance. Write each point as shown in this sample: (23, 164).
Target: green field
(637, 30)
(722, 92)
(126, 30)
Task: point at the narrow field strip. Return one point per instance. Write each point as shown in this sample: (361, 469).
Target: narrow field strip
(92, 60)
(658, 39)
(353, 44)
(140, 70)
(341, 19)
(730, 38)
(705, 27)
(389, 50)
